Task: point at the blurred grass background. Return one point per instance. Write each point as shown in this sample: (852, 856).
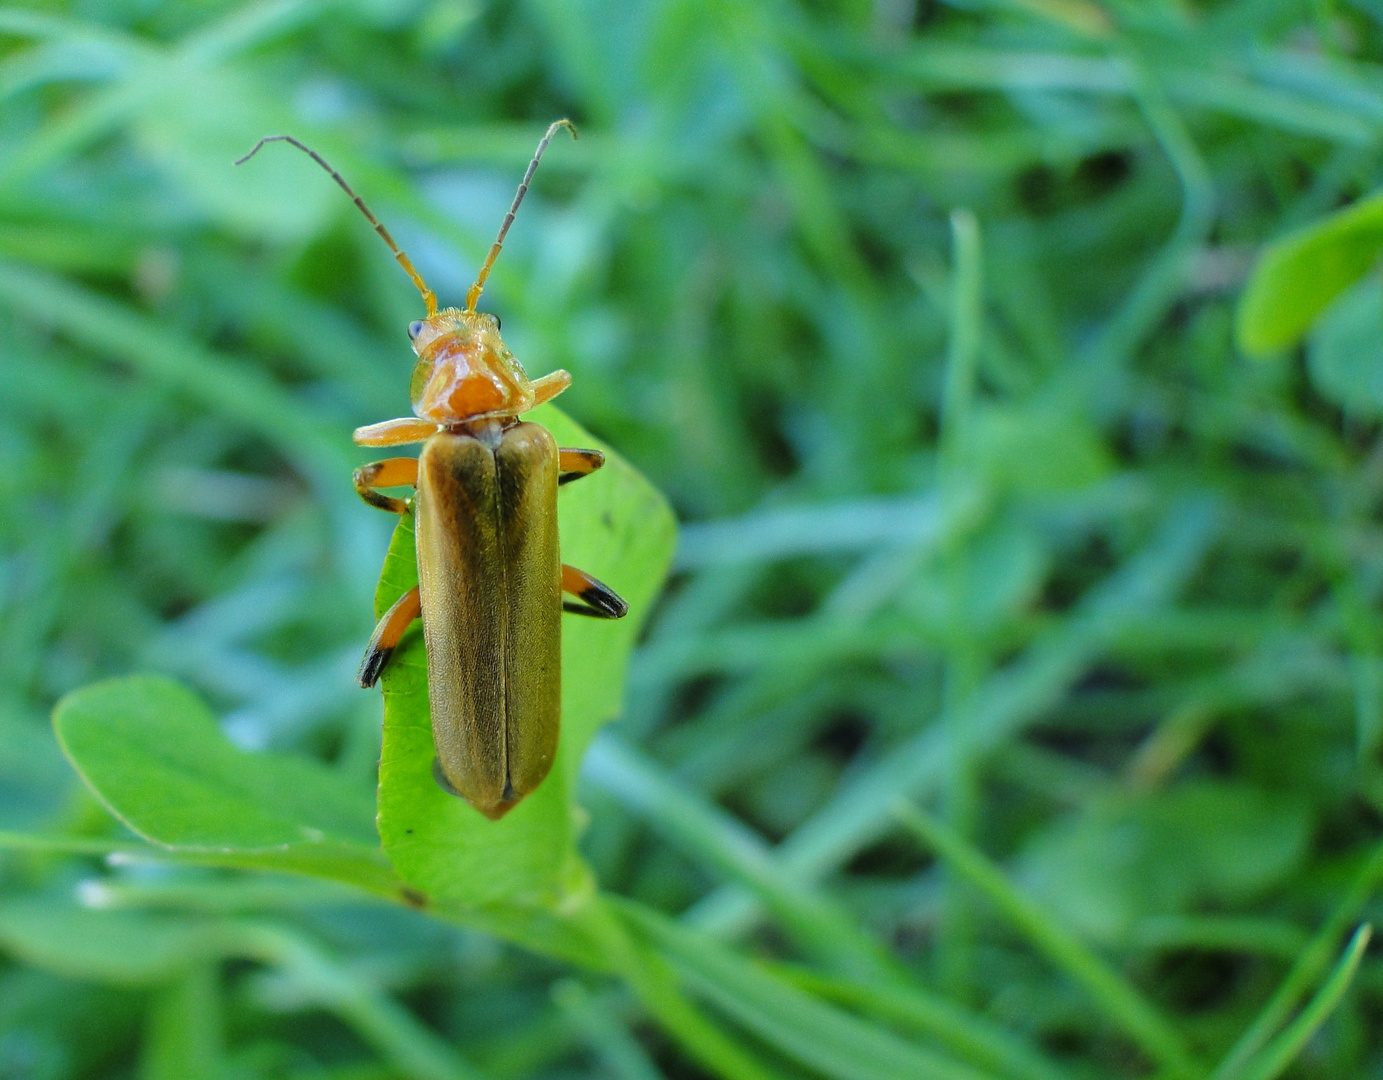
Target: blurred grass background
(920, 313)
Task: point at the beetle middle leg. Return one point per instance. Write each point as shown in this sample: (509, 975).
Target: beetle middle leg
(387, 636)
(406, 429)
(598, 600)
(574, 463)
(391, 472)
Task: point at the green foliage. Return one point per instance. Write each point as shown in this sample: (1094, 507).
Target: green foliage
(1345, 353)
(1015, 705)
(1131, 857)
(118, 947)
(1301, 275)
(153, 754)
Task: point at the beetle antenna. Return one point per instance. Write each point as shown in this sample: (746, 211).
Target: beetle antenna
(429, 297)
(473, 294)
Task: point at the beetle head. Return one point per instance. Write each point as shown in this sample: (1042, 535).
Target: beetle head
(465, 372)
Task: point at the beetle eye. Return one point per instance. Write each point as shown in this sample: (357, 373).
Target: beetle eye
(415, 328)
(498, 324)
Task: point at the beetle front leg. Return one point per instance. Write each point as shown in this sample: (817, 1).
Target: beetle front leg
(550, 385)
(599, 601)
(387, 636)
(391, 472)
(573, 464)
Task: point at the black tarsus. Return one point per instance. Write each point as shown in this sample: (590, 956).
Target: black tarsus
(600, 602)
(372, 666)
(595, 457)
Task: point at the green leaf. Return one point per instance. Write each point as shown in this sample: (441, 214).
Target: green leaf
(1345, 353)
(152, 752)
(1131, 856)
(1036, 449)
(619, 528)
(1299, 276)
(128, 947)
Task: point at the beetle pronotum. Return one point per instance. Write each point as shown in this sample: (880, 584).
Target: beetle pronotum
(490, 577)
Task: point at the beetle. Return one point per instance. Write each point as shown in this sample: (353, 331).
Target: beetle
(490, 576)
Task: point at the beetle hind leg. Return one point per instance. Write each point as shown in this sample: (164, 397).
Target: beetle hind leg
(574, 463)
(387, 636)
(598, 600)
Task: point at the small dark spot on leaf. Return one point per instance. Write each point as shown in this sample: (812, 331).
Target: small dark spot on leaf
(408, 831)
(412, 897)
(607, 520)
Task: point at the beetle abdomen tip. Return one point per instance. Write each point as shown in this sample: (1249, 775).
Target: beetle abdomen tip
(507, 802)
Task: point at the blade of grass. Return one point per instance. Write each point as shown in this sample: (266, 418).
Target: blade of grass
(967, 322)
(1280, 1053)
(1311, 962)
(222, 385)
(183, 1036)
(374, 877)
(617, 1048)
(946, 65)
(652, 979)
(822, 927)
(105, 110)
(1008, 701)
(1219, 933)
(1165, 276)
(805, 1028)
(713, 836)
(791, 644)
(1124, 1005)
(965, 658)
(383, 1023)
(970, 1036)
(827, 528)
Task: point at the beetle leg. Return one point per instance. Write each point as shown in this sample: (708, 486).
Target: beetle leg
(391, 472)
(408, 429)
(549, 386)
(386, 637)
(573, 464)
(598, 600)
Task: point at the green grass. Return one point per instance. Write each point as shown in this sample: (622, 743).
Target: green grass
(1014, 707)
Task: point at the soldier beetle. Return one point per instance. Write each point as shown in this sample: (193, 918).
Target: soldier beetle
(490, 576)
